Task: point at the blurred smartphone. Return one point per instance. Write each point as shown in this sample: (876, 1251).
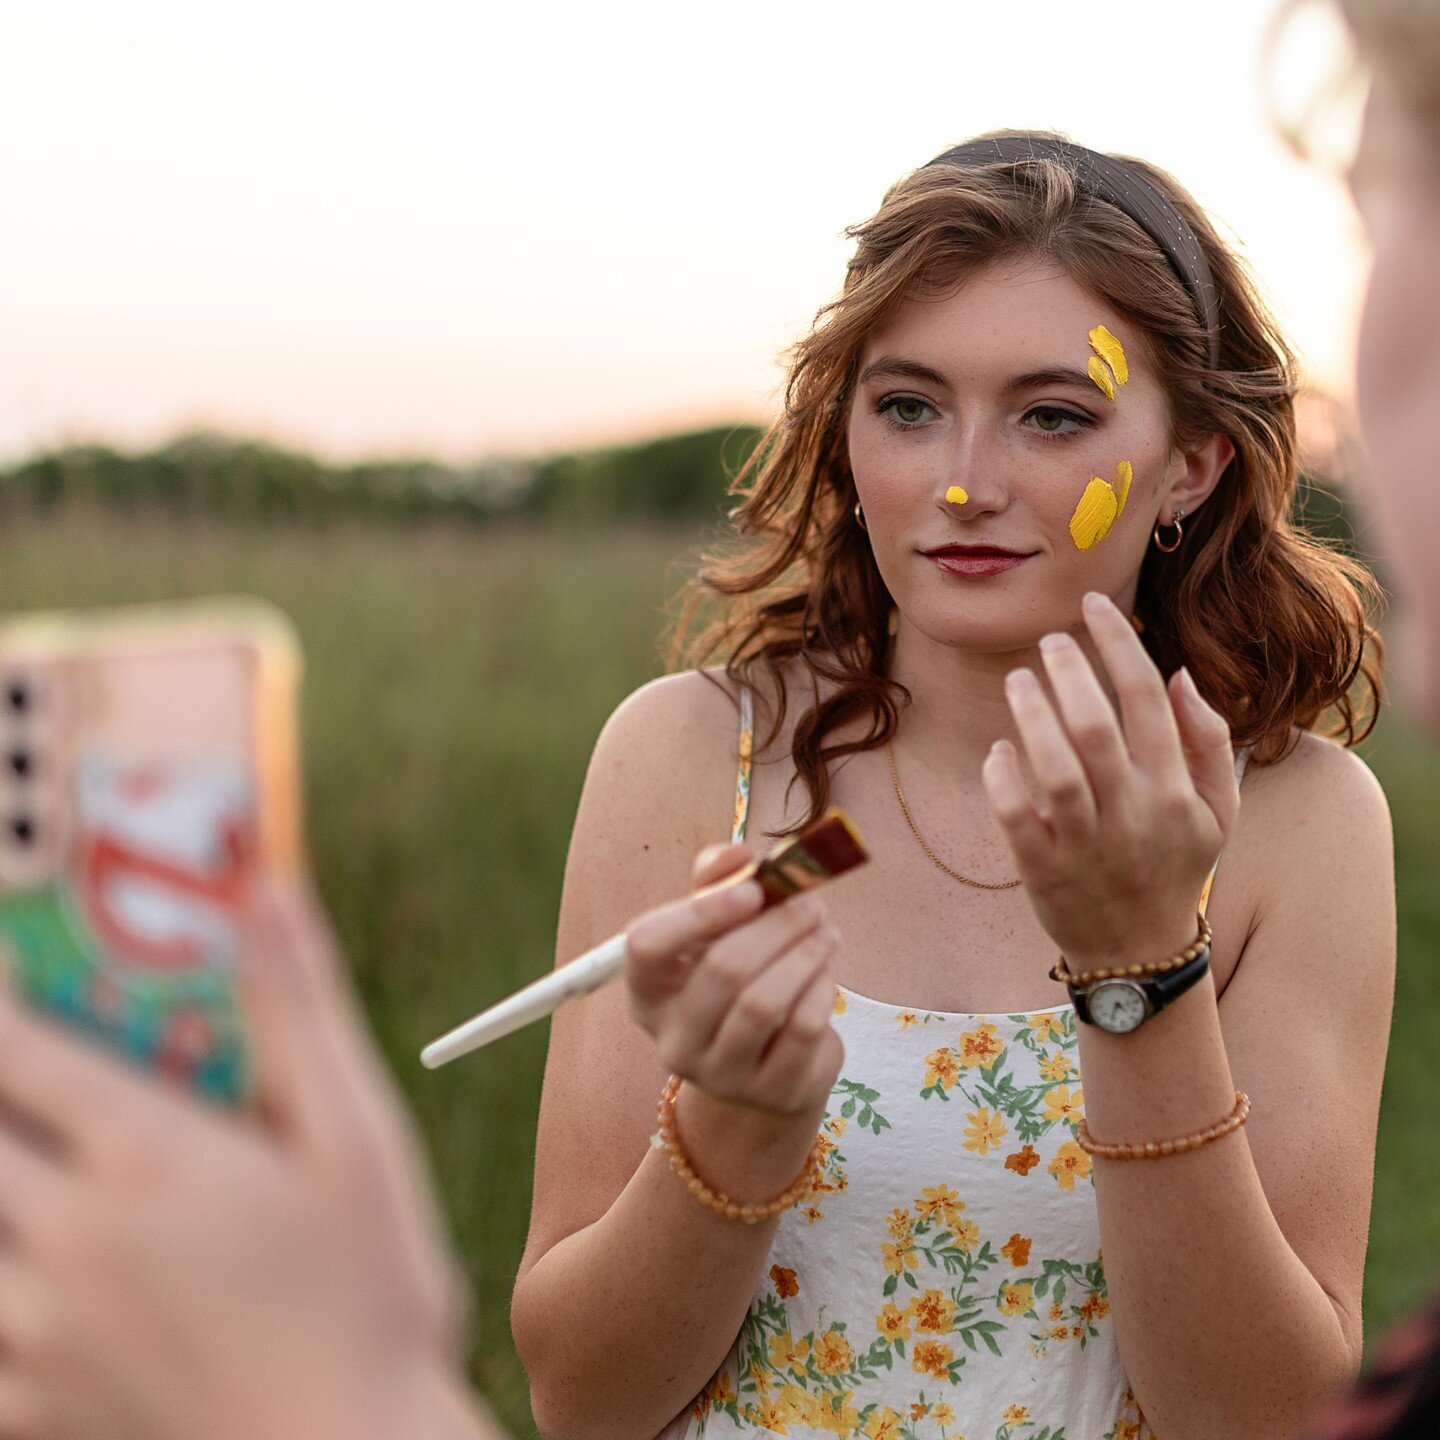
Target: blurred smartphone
(149, 766)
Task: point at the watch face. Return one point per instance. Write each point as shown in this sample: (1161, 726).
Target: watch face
(1118, 1006)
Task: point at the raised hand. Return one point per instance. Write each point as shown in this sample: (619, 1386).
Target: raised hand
(1129, 812)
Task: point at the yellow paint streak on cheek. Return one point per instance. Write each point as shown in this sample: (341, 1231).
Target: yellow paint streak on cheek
(956, 496)
(1094, 515)
(1123, 476)
(1101, 376)
(1111, 351)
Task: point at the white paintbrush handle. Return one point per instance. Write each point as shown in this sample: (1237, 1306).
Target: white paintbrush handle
(582, 975)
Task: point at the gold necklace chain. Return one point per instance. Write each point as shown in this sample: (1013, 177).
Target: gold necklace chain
(915, 831)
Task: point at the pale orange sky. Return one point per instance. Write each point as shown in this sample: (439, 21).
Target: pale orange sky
(465, 230)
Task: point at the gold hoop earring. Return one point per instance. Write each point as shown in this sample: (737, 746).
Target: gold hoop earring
(1179, 535)
(860, 517)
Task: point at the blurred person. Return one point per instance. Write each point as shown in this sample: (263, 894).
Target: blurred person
(1047, 430)
(1396, 183)
(172, 1271)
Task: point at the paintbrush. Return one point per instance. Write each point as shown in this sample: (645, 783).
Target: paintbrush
(828, 848)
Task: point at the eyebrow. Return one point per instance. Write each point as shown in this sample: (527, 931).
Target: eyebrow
(898, 367)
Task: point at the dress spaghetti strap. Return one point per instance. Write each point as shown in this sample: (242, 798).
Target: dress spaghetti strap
(742, 775)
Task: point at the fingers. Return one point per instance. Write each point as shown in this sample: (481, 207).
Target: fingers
(1030, 838)
(660, 945)
(85, 1100)
(805, 1053)
(1062, 781)
(721, 980)
(313, 1056)
(1208, 752)
(1089, 717)
(763, 1008)
(1154, 741)
(715, 862)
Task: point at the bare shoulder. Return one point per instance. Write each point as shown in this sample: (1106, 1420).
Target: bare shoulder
(1315, 849)
(1320, 794)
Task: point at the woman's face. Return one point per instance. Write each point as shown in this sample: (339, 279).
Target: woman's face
(999, 479)
(1397, 186)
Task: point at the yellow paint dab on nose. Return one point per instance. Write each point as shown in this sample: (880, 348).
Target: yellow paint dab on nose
(1101, 376)
(956, 496)
(1111, 351)
(1123, 476)
(1094, 515)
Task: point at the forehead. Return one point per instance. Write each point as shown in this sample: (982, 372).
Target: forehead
(1010, 317)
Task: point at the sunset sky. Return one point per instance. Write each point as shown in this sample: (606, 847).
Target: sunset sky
(470, 229)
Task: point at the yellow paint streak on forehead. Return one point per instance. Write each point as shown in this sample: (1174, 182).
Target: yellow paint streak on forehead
(1094, 515)
(1111, 351)
(1101, 376)
(956, 495)
(1123, 476)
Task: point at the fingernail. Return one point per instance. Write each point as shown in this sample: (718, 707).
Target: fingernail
(1020, 681)
(1096, 603)
(744, 897)
(1056, 642)
(1001, 747)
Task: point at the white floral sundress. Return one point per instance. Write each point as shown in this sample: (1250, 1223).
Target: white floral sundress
(945, 1281)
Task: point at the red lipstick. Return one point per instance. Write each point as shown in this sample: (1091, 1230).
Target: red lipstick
(975, 561)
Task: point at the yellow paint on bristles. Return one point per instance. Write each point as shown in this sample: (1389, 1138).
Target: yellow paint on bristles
(1123, 476)
(1111, 351)
(1094, 515)
(1101, 376)
(956, 495)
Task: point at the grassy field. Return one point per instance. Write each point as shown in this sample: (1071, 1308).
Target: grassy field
(456, 681)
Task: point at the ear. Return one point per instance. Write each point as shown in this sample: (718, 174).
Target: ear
(1195, 474)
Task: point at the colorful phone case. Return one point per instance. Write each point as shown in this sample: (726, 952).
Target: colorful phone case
(148, 768)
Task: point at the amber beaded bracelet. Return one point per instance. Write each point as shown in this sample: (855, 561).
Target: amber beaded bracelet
(1150, 1150)
(668, 1139)
(1059, 970)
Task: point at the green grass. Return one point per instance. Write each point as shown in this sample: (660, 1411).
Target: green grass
(456, 680)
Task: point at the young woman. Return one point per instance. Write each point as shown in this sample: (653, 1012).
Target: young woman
(1012, 574)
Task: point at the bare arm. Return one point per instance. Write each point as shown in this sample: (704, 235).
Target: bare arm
(619, 1251)
(1234, 1270)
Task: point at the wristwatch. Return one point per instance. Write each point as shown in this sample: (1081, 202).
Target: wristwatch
(1124, 1003)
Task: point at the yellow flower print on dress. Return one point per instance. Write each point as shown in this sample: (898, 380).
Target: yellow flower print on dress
(884, 1424)
(1017, 1415)
(1047, 1027)
(942, 1202)
(893, 1322)
(930, 1357)
(1060, 1104)
(1056, 1067)
(980, 1048)
(832, 1353)
(966, 1236)
(985, 1130)
(786, 1353)
(899, 1258)
(1071, 1163)
(786, 1284)
(942, 1069)
(1024, 1160)
(933, 1312)
(1016, 1299)
(901, 1226)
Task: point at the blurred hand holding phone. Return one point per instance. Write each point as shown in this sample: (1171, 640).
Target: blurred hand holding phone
(174, 1267)
(149, 772)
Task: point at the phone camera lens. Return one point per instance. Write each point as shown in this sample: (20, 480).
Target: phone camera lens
(22, 827)
(21, 764)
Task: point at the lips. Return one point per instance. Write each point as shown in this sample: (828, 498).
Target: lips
(975, 561)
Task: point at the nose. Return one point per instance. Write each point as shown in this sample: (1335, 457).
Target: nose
(972, 482)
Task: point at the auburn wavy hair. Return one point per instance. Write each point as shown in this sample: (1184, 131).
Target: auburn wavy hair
(1273, 624)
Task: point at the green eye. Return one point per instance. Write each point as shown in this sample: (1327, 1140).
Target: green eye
(909, 410)
(1050, 420)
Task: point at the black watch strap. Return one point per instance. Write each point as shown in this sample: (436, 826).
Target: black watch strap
(1159, 990)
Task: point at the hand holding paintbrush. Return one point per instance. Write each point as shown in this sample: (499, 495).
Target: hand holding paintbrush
(827, 849)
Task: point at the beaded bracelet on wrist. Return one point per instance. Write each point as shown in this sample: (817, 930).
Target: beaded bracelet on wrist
(667, 1138)
(1060, 971)
(1152, 1149)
